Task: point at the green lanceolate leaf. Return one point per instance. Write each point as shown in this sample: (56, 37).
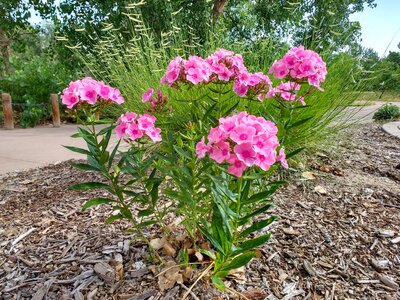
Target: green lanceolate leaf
(114, 218)
(212, 240)
(89, 186)
(112, 155)
(298, 123)
(260, 210)
(228, 112)
(239, 261)
(295, 152)
(96, 201)
(145, 212)
(257, 226)
(146, 223)
(78, 150)
(182, 153)
(85, 167)
(218, 283)
(253, 243)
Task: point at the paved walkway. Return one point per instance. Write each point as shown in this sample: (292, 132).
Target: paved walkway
(22, 149)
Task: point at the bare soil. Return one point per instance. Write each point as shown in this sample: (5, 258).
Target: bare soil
(338, 236)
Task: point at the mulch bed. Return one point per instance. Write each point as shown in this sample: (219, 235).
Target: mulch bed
(338, 236)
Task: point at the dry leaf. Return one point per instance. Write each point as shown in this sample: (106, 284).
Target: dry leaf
(290, 231)
(157, 244)
(199, 256)
(170, 275)
(308, 175)
(169, 250)
(320, 190)
(238, 275)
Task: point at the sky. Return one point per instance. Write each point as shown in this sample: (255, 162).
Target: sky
(380, 26)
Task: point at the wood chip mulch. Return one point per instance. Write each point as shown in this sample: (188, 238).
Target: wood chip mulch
(337, 237)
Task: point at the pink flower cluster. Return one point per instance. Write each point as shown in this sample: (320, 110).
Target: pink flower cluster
(243, 141)
(301, 65)
(286, 91)
(156, 104)
(88, 90)
(223, 65)
(135, 126)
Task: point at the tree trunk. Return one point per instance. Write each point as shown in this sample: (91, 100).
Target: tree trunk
(218, 9)
(5, 44)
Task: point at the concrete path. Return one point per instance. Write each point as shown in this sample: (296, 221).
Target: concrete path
(22, 149)
(392, 128)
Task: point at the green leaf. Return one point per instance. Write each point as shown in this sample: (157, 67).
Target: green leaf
(239, 261)
(208, 253)
(257, 226)
(84, 167)
(114, 218)
(293, 153)
(89, 186)
(218, 283)
(228, 112)
(212, 240)
(96, 201)
(298, 123)
(182, 153)
(260, 210)
(146, 223)
(111, 158)
(253, 243)
(79, 150)
(145, 212)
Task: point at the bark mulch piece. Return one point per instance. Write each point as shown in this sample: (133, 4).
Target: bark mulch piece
(337, 237)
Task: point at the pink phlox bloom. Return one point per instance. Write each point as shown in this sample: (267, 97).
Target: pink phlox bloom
(88, 93)
(216, 134)
(69, 98)
(266, 160)
(202, 148)
(154, 134)
(237, 167)
(220, 151)
(146, 122)
(242, 134)
(245, 153)
(279, 69)
(115, 95)
(147, 95)
(120, 129)
(104, 90)
(240, 89)
(282, 158)
(227, 124)
(301, 100)
(134, 132)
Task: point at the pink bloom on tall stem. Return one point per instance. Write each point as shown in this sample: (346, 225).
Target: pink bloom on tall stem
(202, 148)
(242, 134)
(237, 167)
(282, 158)
(147, 95)
(245, 153)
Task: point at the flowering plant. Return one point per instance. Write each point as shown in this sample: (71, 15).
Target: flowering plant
(213, 164)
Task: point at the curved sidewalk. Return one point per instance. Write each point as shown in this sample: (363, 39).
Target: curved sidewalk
(392, 128)
(22, 149)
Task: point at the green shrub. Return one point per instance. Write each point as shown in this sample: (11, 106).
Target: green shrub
(387, 112)
(33, 115)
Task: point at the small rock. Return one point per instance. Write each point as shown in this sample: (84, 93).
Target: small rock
(157, 244)
(396, 240)
(385, 233)
(289, 231)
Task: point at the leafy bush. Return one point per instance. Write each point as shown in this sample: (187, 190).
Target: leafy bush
(33, 115)
(36, 76)
(387, 112)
